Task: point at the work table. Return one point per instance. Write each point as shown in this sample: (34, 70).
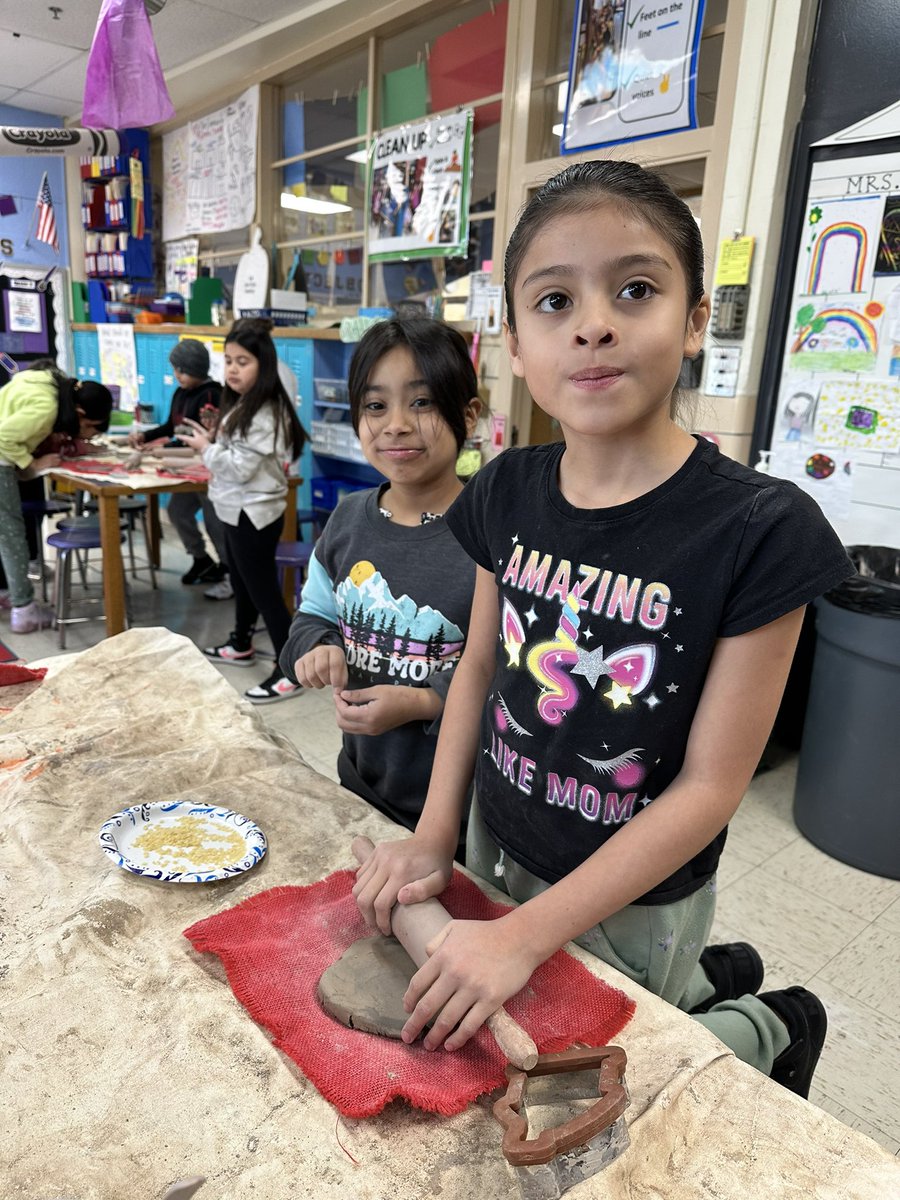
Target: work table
(130, 1064)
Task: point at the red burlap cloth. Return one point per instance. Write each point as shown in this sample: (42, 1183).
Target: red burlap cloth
(16, 672)
(275, 946)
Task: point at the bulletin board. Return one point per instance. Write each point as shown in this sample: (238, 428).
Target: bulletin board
(839, 398)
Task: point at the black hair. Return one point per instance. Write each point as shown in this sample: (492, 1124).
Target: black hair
(439, 352)
(579, 187)
(94, 400)
(253, 334)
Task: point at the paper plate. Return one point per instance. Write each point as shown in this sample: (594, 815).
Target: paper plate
(180, 842)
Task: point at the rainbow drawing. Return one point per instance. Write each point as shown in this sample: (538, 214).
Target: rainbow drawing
(839, 229)
(861, 326)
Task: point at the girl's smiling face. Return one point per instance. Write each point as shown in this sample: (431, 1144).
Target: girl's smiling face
(241, 368)
(402, 433)
(603, 322)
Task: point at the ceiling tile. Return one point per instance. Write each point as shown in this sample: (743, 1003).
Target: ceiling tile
(32, 18)
(185, 29)
(26, 59)
(46, 104)
(67, 82)
(260, 11)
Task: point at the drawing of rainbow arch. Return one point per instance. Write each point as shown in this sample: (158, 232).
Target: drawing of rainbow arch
(839, 229)
(861, 326)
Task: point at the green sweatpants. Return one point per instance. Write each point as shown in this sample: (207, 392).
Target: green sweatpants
(658, 946)
(13, 541)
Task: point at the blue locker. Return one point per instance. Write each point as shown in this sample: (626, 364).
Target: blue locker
(87, 355)
(165, 382)
(156, 381)
(298, 355)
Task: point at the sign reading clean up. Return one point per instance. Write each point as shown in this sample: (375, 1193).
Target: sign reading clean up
(418, 191)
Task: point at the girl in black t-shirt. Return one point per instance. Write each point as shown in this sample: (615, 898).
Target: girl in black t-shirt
(638, 599)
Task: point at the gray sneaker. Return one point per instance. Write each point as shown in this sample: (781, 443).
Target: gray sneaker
(29, 618)
(220, 591)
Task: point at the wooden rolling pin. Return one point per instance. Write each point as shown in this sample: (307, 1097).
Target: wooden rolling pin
(415, 926)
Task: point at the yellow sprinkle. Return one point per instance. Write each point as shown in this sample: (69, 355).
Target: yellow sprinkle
(195, 840)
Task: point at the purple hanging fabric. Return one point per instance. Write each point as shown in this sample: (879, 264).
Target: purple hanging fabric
(124, 84)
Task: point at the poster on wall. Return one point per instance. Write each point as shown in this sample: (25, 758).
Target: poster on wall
(118, 362)
(182, 265)
(418, 189)
(209, 171)
(632, 72)
(838, 407)
(25, 314)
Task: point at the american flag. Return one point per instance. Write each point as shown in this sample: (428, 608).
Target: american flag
(46, 226)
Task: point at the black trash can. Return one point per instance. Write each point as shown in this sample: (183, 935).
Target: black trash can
(847, 799)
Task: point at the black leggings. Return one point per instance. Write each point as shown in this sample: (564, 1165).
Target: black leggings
(254, 577)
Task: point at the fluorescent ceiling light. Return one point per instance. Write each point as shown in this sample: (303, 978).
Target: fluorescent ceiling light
(360, 156)
(308, 205)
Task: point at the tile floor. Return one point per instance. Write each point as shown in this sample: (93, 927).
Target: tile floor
(815, 921)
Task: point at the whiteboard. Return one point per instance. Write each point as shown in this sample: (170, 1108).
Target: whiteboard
(209, 171)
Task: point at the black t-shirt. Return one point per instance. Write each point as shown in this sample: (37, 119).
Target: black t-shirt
(608, 621)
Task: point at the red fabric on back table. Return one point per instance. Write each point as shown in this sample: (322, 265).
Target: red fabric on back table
(275, 946)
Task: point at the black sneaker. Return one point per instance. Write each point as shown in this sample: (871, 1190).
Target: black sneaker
(270, 691)
(734, 969)
(214, 573)
(197, 573)
(806, 1020)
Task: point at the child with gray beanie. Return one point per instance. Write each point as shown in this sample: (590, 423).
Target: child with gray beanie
(195, 392)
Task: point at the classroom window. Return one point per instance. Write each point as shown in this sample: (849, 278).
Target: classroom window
(325, 105)
(453, 58)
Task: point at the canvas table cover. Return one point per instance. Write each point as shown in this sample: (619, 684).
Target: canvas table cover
(128, 1063)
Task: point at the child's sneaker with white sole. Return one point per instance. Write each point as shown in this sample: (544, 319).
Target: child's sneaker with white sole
(276, 687)
(232, 652)
(220, 591)
(29, 618)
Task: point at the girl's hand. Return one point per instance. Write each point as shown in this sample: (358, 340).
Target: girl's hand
(323, 666)
(209, 417)
(45, 462)
(473, 967)
(403, 872)
(198, 440)
(135, 439)
(377, 709)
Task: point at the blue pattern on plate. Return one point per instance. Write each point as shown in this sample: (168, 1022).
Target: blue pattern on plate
(143, 814)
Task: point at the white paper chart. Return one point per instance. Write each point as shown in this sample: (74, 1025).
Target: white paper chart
(209, 171)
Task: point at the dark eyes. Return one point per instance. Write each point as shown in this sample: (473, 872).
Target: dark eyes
(378, 406)
(639, 290)
(554, 302)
